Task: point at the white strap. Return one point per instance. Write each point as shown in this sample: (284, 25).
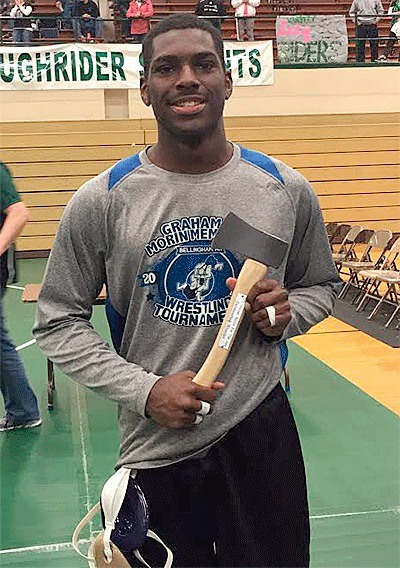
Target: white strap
(112, 497)
(75, 537)
(170, 556)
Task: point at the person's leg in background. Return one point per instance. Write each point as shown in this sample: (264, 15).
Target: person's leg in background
(19, 400)
(76, 25)
(373, 41)
(98, 27)
(26, 35)
(250, 29)
(240, 25)
(389, 46)
(138, 38)
(360, 43)
(69, 8)
(17, 35)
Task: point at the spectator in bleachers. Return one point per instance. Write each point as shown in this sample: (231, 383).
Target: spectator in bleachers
(121, 7)
(87, 21)
(366, 14)
(49, 25)
(394, 8)
(22, 25)
(5, 26)
(69, 7)
(211, 8)
(245, 11)
(139, 12)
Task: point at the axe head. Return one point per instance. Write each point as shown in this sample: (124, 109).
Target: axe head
(237, 235)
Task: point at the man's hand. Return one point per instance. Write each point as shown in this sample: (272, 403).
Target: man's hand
(174, 399)
(266, 293)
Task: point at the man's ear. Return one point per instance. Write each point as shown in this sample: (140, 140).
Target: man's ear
(144, 93)
(229, 84)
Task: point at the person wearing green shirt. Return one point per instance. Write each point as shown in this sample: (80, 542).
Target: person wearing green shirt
(21, 407)
(394, 9)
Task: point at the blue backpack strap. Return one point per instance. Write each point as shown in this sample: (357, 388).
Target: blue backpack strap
(123, 168)
(262, 161)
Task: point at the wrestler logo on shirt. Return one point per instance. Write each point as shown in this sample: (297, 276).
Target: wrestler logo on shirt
(187, 284)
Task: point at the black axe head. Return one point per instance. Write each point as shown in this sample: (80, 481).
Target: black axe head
(237, 235)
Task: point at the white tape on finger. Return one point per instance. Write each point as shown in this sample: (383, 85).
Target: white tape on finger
(205, 408)
(271, 312)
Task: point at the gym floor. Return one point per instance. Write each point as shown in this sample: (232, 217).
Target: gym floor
(345, 397)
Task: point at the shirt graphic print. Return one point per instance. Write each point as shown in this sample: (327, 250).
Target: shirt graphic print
(186, 278)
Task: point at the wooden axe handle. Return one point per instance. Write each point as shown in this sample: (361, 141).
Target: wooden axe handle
(252, 271)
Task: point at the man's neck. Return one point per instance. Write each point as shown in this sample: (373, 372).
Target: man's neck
(190, 156)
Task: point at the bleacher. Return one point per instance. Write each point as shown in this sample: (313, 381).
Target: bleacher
(264, 24)
(352, 161)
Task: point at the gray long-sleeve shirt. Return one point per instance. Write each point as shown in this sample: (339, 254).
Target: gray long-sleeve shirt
(146, 233)
(367, 11)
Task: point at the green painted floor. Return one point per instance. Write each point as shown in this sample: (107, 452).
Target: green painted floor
(50, 476)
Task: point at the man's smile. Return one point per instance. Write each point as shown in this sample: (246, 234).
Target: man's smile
(188, 105)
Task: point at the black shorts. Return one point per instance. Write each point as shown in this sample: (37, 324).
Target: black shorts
(243, 504)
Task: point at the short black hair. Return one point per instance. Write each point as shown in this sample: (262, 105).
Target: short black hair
(179, 22)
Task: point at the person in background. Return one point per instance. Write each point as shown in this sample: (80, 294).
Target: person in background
(6, 24)
(220, 466)
(213, 8)
(366, 14)
(120, 13)
(49, 25)
(68, 9)
(87, 22)
(22, 25)
(394, 9)
(139, 12)
(20, 402)
(245, 11)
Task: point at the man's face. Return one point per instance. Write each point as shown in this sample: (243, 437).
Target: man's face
(186, 84)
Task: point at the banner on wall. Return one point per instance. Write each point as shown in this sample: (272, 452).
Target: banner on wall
(311, 39)
(118, 66)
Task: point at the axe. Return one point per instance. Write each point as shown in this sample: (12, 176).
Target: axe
(262, 250)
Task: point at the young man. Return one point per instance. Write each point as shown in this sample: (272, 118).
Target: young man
(227, 487)
(19, 400)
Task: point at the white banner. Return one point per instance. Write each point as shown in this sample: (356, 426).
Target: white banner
(113, 66)
(311, 39)
(251, 62)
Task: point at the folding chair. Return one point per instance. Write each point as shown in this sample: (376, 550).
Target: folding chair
(339, 234)
(346, 249)
(356, 249)
(330, 229)
(388, 275)
(370, 259)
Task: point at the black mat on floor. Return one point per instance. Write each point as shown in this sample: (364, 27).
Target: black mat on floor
(346, 312)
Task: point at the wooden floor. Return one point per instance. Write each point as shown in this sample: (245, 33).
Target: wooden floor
(366, 362)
